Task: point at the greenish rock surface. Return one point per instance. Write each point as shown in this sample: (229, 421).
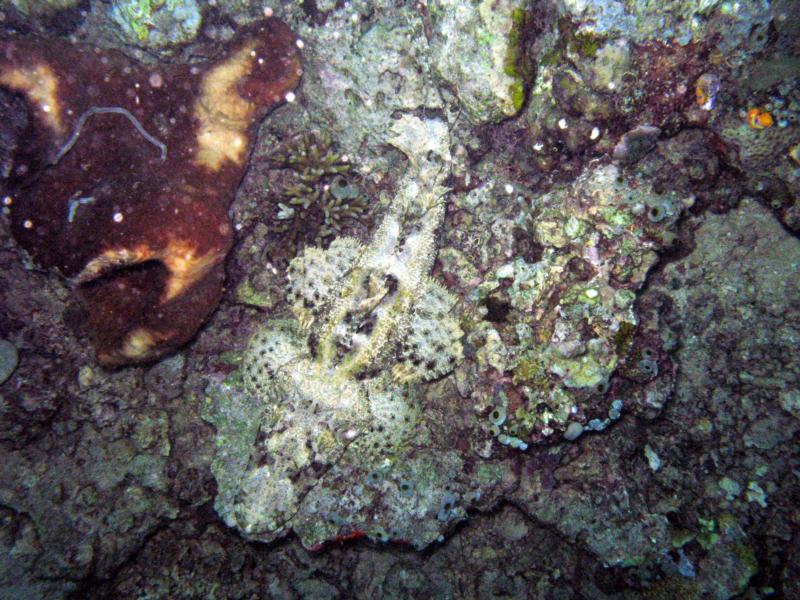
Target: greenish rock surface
(475, 48)
(571, 316)
(621, 414)
(684, 21)
(9, 358)
(360, 72)
(157, 24)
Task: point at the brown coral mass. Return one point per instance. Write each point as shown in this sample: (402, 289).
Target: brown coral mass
(135, 212)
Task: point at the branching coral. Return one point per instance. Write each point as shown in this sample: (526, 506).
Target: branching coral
(322, 197)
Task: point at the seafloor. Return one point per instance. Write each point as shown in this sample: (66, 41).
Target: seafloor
(512, 308)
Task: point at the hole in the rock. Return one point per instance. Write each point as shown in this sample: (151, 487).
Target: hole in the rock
(497, 308)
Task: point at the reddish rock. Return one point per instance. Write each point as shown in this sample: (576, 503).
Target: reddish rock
(126, 172)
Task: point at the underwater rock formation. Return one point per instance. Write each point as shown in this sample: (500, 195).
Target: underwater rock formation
(491, 81)
(621, 419)
(125, 182)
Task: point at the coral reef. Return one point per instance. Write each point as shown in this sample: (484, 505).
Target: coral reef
(142, 230)
(557, 354)
(382, 71)
(685, 21)
(558, 322)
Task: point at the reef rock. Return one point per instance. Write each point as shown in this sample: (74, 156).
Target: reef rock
(475, 48)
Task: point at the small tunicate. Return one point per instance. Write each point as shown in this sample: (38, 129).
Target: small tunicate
(342, 189)
(446, 507)
(657, 212)
(597, 425)
(613, 414)
(669, 339)
(517, 443)
(573, 432)
(498, 415)
(504, 439)
(648, 368)
(9, 359)
(406, 487)
(375, 478)
(648, 353)
(381, 535)
(617, 405)
(471, 497)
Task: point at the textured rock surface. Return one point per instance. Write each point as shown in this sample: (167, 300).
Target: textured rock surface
(683, 20)
(155, 25)
(474, 48)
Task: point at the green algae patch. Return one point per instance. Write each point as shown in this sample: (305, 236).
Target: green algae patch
(531, 371)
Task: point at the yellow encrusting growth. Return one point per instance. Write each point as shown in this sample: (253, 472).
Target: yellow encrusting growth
(180, 258)
(40, 84)
(138, 343)
(111, 259)
(223, 114)
(186, 267)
